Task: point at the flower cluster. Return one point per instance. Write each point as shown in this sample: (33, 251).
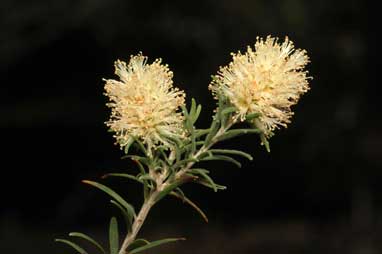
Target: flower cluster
(267, 81)
(144, 102)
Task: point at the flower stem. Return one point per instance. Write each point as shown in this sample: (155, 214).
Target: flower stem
(138, 222)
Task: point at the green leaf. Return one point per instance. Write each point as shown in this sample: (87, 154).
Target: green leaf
(213, 129)
(207, 184)
(129, 142)
(172, 186)
(147, 177)
(228, 110)
(265, 142)
(237, 132)
(180, 195)
(193, 143)
(140, 166)
(197, 114)
(113, 236)
(127, 216)
(194, 112)
(154, 244)
(201, 132)
(193, 107)
(170, 136)
(235, 152)
(252, 116)
(140, 146)
(185, 161)
(113, 194)
(73, 245)
(132, 177)
(189, 146)
(145, 183)
(87, 238)
(161, 152)
(136, 244)
(166, 191)
(145, 160)
(222, 100)
(184, 110)
(221, 158)
(202, 173)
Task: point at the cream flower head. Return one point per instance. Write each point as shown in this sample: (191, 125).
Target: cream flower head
(267, 81)
(144, 102)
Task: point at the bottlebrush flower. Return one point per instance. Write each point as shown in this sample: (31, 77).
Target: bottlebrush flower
(144, 104)
(268, 81)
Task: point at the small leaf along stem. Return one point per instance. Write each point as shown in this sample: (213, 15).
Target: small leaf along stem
(205, 147)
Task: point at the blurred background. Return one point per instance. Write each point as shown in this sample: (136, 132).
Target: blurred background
(316, 192)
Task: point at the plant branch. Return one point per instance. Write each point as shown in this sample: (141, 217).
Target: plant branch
(138, 222)
(150, 201)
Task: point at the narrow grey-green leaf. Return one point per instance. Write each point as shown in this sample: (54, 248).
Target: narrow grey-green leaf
(200, 170)
(170, 136)
(221, 101)
(73, 245)
(129, 142)
(140, 166)
(265, 142)
(228, 110)
(205, 176)
(145, 183)
(252, 116)
(201, 132)
(161, 151)
(183, 162)
(197, 114)
(207, 184)
(193, 107)
(136, 244)
(189, 146)
(213, 129)
(193, 141)
(132, 177)
(113, 194)
(172, 186)
(186, 200)
(127, 216)
(89, 239)
(154, 244)
(235, 152)
(221, 158)
(237, 132)
(146, 177)
(140, 145)
(146, 161)
(184, 110)
(113, 236)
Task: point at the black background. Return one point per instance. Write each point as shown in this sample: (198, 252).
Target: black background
(316, 192)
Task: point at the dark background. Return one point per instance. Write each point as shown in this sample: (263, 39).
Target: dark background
(316, 192)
